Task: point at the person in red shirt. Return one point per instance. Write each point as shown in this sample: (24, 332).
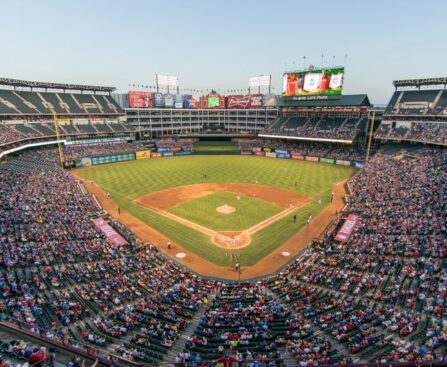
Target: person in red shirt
(227, 360)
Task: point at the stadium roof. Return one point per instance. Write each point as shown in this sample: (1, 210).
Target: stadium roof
(419, 82)
(353, 100)
(25, 83)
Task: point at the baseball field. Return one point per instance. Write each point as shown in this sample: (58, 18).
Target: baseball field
(214, 206)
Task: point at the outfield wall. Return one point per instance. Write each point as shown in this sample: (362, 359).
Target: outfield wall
(165, 153)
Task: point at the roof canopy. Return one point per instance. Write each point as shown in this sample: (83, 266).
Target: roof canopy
(353, 100)
(24, 83)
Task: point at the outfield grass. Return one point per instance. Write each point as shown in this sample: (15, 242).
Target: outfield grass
(249, 211)
(127, 181)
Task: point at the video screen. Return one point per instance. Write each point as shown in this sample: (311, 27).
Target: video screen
(326, 82)
(213, 101)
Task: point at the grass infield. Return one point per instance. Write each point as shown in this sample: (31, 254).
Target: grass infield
(128, 181)
(249, 211)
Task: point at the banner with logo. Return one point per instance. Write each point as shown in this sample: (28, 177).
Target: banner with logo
(246, 152)
(178, 101)
(96, 120)
(347, 228)
(114, 238)
(140, 99)
(327, 160)
(86, 162)
(260, 154)
(158, 100)
(162, 149)
(311, 159)
(281, 151)
(282, 155)
(270, 154)
(186, 152)
(243, 102)
(298, 157)
(169, 100)
(143, 154)
(175, 149)
(190, 102)
(168, 154)
(342, 162)
(156, 155)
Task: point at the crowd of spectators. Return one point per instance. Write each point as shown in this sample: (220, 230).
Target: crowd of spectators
(12, 132)
(426, 132)
(321, 128)
(382, 295)
(379, 297)
(9, 134)
(314, 149)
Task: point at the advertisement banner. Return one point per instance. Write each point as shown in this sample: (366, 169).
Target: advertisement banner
(213, 101)
(140, 99)
(281, 151)
(267, 149)
(342, 162)
(312, 82)
(86, 162)
(96, 120)
(347, 228)
(270, 154)
(168, 154)
(298, 157)
(327, 160)
(246, 152)
(169, 100)
(143, 154)
(282, 155)
(113, 158)
(175, 149)
(260, 154)
(312, 159)
(191, 103)
(243, 102)
(158, 100)
(162, 149)
(156, 155)
(114, 238)
(178, 101)
(187, 152)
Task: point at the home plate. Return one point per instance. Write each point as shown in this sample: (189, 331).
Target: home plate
(285, 253)
(180, 255)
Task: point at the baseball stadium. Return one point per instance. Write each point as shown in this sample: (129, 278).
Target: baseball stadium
(167, 225)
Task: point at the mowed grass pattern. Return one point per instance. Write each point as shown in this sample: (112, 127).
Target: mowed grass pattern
(130, 180)
(249, 211)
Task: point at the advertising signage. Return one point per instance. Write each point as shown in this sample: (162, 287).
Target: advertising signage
(213, 101)
(140, 99)
(243, 102)
(315, 82)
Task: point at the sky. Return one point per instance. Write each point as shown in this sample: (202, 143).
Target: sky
(218, 45)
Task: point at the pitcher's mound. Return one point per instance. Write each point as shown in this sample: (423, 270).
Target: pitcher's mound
(225, 209)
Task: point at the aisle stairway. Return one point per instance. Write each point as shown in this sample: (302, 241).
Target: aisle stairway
(179, 345)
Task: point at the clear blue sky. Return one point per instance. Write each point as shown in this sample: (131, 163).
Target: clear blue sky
(219, 44)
